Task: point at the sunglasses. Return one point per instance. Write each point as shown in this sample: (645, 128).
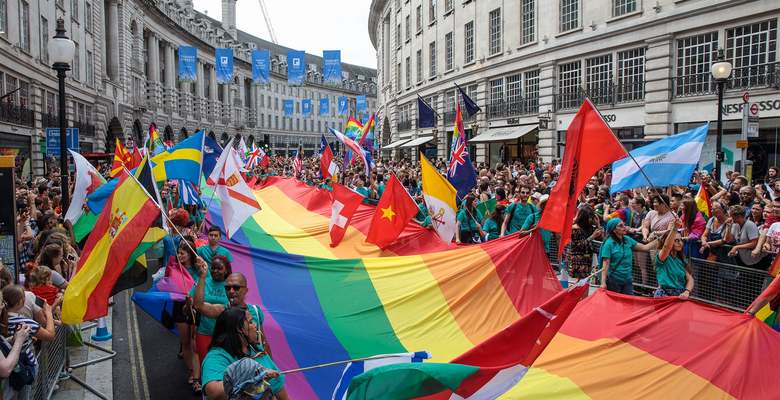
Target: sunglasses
(234, 287)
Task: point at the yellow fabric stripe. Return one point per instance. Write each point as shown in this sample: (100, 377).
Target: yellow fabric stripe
(538, 384)
(416, 306)
(128, 198)
(434, 185)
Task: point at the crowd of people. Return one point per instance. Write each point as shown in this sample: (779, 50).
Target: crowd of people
(650, 235)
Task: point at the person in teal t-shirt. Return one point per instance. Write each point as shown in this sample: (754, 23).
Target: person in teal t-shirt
(208, 251)
(671, 271)
(235, 338)
(533, 219)
(617, 258)
(517, 212)
(492, 225)
(209, 298)
(469, 226)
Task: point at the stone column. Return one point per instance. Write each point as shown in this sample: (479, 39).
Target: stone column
(199, 90)
(213, 92)
(658, 87)
(112, 47)
(170, 76)
(547, 137)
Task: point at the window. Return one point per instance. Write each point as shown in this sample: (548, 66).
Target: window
(496, 97)
(398, 77)
(88, 17)
(408, 27)
(44, 40)
(631, 75)
(694, 56)
(11, 83)
(74, 9)
(468, 42)
(598, 78)
(622, 7)
(532, 92)
(431, 11)
(513, 94)
(418, 18)
(24, 25)
(408, 72)
(569, 85)
(419, 66)
(3, 16)
(432, 59)
(90, 70)
(528, 21)
(398, 36)
(570, 15)
(495, 31)
(447, 6)
(24, 93)
(51, 105)
(448, 52)
(449, 101)
(76, 64)
(752, 50)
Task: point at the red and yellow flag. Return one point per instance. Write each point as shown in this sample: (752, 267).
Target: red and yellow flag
(392, 213)
(703, 202)
(122, 158)
(127, 217)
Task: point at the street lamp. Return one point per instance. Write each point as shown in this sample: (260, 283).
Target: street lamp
(721, 72)
(61, 50)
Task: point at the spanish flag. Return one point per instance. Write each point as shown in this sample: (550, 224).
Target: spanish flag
(126, 219)
(440, 199)
(122, 158)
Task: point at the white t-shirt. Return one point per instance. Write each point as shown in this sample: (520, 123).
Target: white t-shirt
(773, 237)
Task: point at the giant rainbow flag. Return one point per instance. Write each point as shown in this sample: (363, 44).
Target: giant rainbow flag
(325, 304)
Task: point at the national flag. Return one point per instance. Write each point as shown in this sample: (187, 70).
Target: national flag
(243, 151)
(298, 161)
(156, 145)
(328, 166)
(484, 208)
(590, 145)
(669, 161)
(345, 203)
(485, 372)
(461, 173)
(122, 226)
(183, 161)
(426, 115)
(211, 152)
(355, 148)
(122, 159)
(88, 179)
(257, 157)
(188, 195)
(703, 202)
(471, 106)
(137, 157)
(356, 368)
(393, 212)
(439, 197)
(216, 172)
(238, 201)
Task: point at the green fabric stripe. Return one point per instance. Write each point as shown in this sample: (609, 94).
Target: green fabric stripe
(84, 225)
(408, 380)
(348, 300)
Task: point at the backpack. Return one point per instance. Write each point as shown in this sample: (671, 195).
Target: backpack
(25, 370)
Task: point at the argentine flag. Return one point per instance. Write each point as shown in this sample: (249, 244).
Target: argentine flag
(669, 161)
(356, 368)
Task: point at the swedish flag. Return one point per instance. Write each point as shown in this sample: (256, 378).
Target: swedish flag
(182, 161)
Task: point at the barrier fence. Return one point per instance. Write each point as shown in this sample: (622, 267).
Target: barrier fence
(51, 363)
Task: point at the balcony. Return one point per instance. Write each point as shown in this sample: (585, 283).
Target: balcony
(49, 120)
(752, 77)
(449, 117)
(608, 94)
(16, 115)
(508, 109)
(404, 125)
(85, 129)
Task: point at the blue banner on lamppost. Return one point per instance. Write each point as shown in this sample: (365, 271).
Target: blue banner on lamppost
(288, 108)
(343, 106)
(360, 104)
(224, 65)
(53, 140)
(306, 107)
(261, 63)
(324, 106)
(331, 67)
(188, 59)
(296, 61)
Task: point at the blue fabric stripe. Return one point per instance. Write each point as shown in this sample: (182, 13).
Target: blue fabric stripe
(661, 175)
(353, 369)
(667, 144)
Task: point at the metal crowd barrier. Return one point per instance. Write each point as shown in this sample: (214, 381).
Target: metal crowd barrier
(51, 363)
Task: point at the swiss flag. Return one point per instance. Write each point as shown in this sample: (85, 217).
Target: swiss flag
(345, 202)
(328, 167)
(393, 212)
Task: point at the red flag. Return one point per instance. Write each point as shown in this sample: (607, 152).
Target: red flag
(345, 202)
(136, 158)
(393, 212)
(328, 168)
(122, 157)
(590, 145)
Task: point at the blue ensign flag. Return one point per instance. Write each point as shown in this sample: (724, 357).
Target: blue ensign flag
(331, 67)
(324, 106)
(211, 152)
(188, 59)
(288, 108)
(669, 161)
(343, 106)
(296, 67)
(306, 107)
(224, 65)
(260, 65)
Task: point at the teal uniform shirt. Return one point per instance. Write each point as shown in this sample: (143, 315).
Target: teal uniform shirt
(621, 258)
(207, 254)
(531, 222)
(363, 191)
(670, 273)
(519, 212)
(380, 189)
(213, 293)
(422, 215)
(491, 228)
(467, 224)
(218, 359)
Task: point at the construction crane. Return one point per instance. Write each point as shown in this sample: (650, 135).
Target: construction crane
(267, 18)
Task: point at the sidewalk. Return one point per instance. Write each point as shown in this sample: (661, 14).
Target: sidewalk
(98, 375)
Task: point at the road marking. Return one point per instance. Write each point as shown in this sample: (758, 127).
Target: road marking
(131, 348)
(136, 334)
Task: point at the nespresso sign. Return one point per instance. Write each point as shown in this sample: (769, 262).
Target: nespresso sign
(764, 105)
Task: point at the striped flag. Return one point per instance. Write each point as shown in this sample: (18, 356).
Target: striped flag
(188, 196)
(356, 368)
(703, 202)
(298, 161)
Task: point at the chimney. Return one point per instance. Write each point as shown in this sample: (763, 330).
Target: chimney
(229, 16)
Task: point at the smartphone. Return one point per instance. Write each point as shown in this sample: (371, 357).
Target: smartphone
(39, 301)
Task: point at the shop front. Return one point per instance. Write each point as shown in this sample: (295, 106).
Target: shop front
(509, 143)
(423, 144)
(19, 146)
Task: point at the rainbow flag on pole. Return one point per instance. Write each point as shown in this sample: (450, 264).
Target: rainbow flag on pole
(703, 202)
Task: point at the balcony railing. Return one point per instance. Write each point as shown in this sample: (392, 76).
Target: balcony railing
(505, 109)
(701, 83)
(404, 125)
(49, 120)
(16, 115)
(602, 94)
(85, 129)
(449, 118)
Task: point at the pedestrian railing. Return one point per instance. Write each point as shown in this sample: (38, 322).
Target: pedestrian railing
(51, 363)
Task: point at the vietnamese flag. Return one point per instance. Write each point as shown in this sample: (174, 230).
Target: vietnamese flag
(393, 212)
(590, 145)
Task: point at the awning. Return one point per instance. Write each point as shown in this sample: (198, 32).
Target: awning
(395, 144)
(418, 141)
(503, 134)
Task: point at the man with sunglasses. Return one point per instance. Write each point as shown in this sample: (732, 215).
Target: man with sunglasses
(236, 289)
(517, 212)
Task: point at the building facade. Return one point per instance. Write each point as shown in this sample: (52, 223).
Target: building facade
(124, 77)
(530, 63)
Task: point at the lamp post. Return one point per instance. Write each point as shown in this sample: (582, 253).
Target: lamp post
(721, 72)
(61, 50)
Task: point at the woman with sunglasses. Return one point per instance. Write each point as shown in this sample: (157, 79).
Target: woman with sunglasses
(671, 270)
(210, 299)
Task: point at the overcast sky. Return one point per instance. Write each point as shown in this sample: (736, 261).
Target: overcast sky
(310, 25)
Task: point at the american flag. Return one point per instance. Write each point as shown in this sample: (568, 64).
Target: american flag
(298, 161)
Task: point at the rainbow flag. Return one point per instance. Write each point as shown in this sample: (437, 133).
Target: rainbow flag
(703, 202)
(367, 134)
(354, 128)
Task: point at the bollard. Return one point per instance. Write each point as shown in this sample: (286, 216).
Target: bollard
(101, 333)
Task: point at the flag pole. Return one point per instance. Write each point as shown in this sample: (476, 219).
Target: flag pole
(330, 364)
